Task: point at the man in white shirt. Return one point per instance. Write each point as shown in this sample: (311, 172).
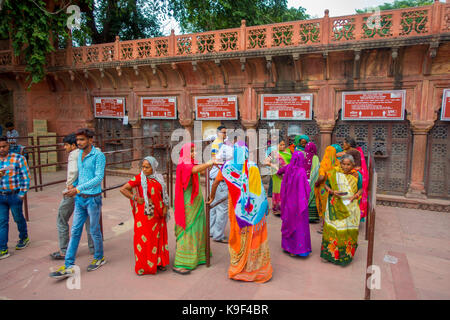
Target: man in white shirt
(67, 205)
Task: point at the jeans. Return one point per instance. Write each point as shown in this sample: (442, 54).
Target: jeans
(85, 208)
(13, 202)
(65, 211)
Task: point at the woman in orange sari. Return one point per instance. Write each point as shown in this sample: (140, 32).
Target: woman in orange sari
(329, 161)
(149, 206)
(247, 211)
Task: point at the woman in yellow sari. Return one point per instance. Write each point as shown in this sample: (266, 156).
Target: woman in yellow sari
(247, 210)
(342, 213)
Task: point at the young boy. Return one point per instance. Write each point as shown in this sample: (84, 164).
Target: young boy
(67, 205)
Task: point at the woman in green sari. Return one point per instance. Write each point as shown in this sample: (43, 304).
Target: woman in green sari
(312, 164)
(276, 160)
(190, 225)
(300, 142)
(342, 214)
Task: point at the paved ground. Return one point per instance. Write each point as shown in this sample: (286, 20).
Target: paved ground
(418, 239)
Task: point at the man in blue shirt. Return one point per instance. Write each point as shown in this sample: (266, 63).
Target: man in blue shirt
(88, 202)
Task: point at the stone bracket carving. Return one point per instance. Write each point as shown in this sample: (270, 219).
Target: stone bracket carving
(199, 70)
(180, 73)
(326, 69)
(271, 70)
(222, 69)
(393, 63)
(297, 67)
(428, 58)
(357, 64)
(160, 75)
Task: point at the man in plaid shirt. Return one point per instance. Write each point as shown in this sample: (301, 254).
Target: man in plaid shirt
(14, 184)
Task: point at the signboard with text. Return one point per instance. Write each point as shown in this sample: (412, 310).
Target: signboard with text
(108, 107)
(158, 107)
(445, 110)
(374, 105)
(286, 106)
(216, 108)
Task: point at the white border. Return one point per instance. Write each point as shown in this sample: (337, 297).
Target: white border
(287, 94)
(374, 118)
(110, 117)
(159, 118)
(216, 118)
(444, 96)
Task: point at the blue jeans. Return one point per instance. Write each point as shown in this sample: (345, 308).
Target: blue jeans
(84, 208)
(13, 202)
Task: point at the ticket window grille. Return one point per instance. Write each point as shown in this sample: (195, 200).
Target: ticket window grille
(289, 129)
(113, 129)
(438, 165)
(390, 143)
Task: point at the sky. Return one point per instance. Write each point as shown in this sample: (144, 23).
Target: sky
(315, 8)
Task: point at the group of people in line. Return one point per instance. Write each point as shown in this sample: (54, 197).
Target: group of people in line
(304, 190)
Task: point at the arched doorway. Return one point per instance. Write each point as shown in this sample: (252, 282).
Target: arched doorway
(6, 107)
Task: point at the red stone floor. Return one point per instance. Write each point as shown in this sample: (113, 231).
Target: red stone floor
(418, 239)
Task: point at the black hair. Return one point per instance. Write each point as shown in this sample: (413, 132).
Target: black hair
(88, 133)
(350, 141)
(220, 128)
(70, 139)
(9, 124)
(4, 138)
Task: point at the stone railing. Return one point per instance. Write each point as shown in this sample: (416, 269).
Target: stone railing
(393, 24)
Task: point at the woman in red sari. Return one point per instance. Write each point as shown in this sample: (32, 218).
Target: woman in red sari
(149, 206)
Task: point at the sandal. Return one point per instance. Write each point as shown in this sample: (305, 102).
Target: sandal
(57, 256)
(181, 271)
(221, 241)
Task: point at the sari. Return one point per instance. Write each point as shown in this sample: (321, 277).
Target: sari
(295, 235)
(283, 157)
(150, 232)
(365, 185)
(329, 161)
(312, 206)
(341, 223)
(247, 210)
(190, 225)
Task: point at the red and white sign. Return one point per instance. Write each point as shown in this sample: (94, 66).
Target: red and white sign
(374, 105)
(445, 110)
(216, 108)
(107, 107)
(159, 107)
(286, 106)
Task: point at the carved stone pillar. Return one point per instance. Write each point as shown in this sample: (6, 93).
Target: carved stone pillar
(188, 124)
(251, 138)
(326, 128)
(420, 132)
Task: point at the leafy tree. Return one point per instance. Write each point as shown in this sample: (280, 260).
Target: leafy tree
(129, 19)
(398, 4)
(32, 25)
(205, 15)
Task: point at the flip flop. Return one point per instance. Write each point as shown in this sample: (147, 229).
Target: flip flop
(181, 271)
(57, 256)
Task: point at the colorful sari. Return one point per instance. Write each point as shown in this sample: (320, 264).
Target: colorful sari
(190, 225)
(150, 232)
(341, 223)
(329, 161)
(295, 235)
(247, 210)
(283, 157)
(365, 185)
(312, 206)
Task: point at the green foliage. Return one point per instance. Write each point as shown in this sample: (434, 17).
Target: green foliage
(128, 19)
(205, 15)
(398, 4)
(31, 27)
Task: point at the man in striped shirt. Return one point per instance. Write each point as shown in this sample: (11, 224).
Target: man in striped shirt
(14, 184)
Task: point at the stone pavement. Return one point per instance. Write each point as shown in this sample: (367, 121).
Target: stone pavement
(419, 240)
